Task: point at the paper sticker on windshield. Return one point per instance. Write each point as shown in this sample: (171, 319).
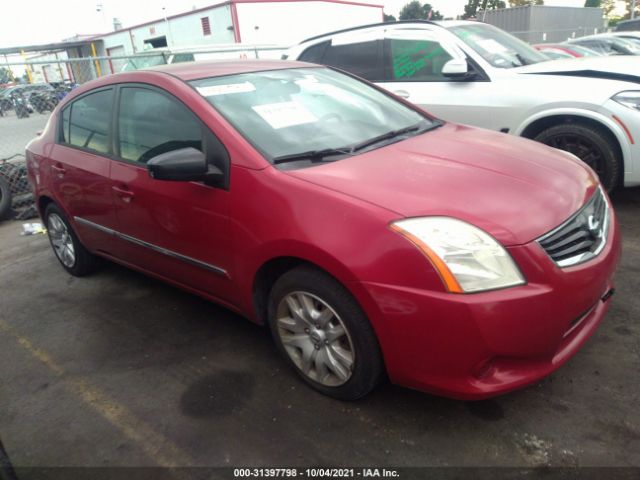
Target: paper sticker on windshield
(491, 46)
(285, 114)
(226, 89)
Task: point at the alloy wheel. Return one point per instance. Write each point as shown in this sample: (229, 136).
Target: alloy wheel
(315, 338)
(61, 240)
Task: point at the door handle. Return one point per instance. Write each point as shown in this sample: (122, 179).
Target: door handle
(124, 193)
(402, 93)
(59, 169)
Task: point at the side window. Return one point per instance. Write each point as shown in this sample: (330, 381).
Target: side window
(596, 45)
(418, 60)
(88, 121)
(151, 123)
(314, 53)
(183, 57)
(363, 59)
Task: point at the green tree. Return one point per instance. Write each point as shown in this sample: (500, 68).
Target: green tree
(472, 6)
(628, 4)
(608, 6)
(389, 18)
(415, 10)
(593, 3)
(524, 3)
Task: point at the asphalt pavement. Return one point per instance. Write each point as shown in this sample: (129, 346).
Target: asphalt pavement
(117, 369)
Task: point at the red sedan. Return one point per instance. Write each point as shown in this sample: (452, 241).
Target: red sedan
(369, 236)
(561, 51)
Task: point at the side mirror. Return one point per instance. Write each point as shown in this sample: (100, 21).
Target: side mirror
(457, 69)
(184, 165)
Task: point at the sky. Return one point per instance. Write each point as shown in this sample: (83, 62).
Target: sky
(29, 22)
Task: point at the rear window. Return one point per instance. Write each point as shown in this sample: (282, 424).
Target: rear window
(86, 122)
(363, 59)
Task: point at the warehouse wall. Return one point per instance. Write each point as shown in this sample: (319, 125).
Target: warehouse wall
(287, 23)
(543, 24)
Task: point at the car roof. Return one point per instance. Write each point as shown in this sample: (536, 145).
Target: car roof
(218, 68)
(370, 25)
(631, 33)
(400, 23)
(597, 36)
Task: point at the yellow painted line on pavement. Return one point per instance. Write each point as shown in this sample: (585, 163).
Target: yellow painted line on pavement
(159, 448)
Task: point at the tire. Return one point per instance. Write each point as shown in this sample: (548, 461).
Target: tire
(591, 145)
(346, 366)
(78, 261)
(5, 198)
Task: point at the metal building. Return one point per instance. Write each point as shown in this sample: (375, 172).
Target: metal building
(544, 24)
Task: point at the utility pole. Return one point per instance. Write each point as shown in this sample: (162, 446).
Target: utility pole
(484, 10)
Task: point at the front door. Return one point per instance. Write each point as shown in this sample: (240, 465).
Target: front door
(415, 60)
(178, 230)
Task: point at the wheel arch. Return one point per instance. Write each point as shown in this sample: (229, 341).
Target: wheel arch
(43, 202)
(272, 268)
(543, 120)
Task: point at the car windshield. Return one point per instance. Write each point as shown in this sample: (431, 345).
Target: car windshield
(632, 44)
(499, 48)
(293, 112)
(584, 51)
(144, 61)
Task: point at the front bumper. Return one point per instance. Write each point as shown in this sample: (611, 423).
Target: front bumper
(480, 345)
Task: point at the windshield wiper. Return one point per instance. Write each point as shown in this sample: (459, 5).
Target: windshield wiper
(313, 155)
(319, 155)
(420, 127)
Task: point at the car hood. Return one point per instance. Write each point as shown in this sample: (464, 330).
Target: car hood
(515, 189)
(623, 67)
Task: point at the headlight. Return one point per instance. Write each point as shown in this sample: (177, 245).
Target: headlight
(629, 99)
(467, 259)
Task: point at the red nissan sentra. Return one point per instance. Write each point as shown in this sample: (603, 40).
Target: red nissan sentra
(369, 236)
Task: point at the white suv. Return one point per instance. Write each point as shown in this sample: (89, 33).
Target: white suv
(474, 73)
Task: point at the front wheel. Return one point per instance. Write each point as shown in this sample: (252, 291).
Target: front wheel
(73, 256)
(322, 332)
(590, 145)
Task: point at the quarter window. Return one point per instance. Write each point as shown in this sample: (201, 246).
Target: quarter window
(314, 53)
(151, 123)
(420, 60)
(85, 123)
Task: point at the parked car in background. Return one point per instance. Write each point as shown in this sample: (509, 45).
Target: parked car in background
(477, 74)
(369, 236)
(560, 51)
(607, 44)
(22, 91)
(226, 51)
(633, 36)
(628, 25)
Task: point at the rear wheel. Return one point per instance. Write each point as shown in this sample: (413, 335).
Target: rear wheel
(322, 332)
(74, 258)
(590, 145)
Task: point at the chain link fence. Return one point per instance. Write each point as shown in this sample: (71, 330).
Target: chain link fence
(25, 105)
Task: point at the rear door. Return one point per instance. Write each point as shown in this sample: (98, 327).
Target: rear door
(79, 168)
(178, 230)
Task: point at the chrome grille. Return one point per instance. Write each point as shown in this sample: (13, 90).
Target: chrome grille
(582, 237)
